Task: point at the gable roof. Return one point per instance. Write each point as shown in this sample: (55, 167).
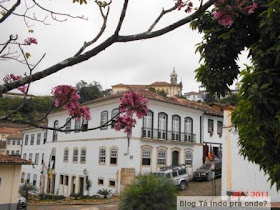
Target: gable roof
(160, 84)
(12, 160)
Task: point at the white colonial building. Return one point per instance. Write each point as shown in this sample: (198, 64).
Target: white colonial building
(172, 133)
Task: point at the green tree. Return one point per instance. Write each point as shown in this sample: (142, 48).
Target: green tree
(25, 189)
(89, 91)
(257, 115)
(149, 192)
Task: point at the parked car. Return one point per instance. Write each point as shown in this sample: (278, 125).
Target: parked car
(178, 174)
(205, 173)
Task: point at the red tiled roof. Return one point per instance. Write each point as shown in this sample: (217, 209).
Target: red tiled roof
(11, 160)
(174, 100)
(9, 130)
(191, 93)
(17, 135)
(160, 84)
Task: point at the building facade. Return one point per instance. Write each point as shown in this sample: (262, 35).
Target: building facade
(14, 144)
(171, 134)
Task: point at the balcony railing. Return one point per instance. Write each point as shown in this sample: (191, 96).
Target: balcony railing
(168, 135)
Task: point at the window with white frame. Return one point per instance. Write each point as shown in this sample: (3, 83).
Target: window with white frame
(102, 155)
(26, 140)
(220, 128)
(13, 152)
(28, 178)
(188, 158)
(162, 126)
(30, 156)
(83, 155)
(43, 159)
(18, 142)
(17, 152)
(8, 152)
(146, 157)
(148, 125)
(68, 125)
(14, 142)
(8, 142)
(77, 125)
(210, 126)
(34, 179)
(55, 125)
(176, 124)
(115, 112)
(24, 156)
(104, 119)
(45, 137)
(113, 156)
(161, 157)
(32, 139)
(66, 155)
(84, 124)
(188, 129)
(38, 138)
(36, 159)
(75, 155)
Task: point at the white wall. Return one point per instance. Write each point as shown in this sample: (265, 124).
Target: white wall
(238, 173)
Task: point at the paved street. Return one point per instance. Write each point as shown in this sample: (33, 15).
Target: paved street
(201, 188)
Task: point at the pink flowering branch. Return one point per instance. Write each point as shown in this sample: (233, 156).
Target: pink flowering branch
(132, 103)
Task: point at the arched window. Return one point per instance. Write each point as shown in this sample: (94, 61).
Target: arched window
(102, 155)
(104, 119)
(146, 157)
(75, 155)
(161, 157)
(162, 126)
(114, 156)
(68, 125)
(115, 112)
(66, 155)
(148, 125)
(84, 124)
(55, 125)
(188, 158)
(188, 129)
(176, 127)
(77, 125)
(83, 155)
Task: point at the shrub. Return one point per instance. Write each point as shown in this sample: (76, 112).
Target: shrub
(149, 192)
(105, 193)
(25, 189)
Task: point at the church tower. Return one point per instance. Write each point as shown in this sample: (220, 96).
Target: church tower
(173, 77)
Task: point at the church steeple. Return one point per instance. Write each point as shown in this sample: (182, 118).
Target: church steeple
(173, 77)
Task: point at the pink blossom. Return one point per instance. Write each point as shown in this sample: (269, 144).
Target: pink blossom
(250, 9)
(67, 97)
(30, 40)
(12, 78)
(131, 103)
(224, 18)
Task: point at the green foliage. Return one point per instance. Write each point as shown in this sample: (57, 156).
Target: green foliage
(89, 91)
(257, 115)
(25, 189)
(105, 193)
(160, 92)
(231, 99)
(149, 192)
(44, 196)
(80, 1)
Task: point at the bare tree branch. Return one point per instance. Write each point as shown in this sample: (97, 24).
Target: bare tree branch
(105, 17)
(163, 12)
(108, 42)
(10, 11)
(122, 17)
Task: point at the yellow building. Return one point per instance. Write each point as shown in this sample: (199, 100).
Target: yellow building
(10, 168)
(171, 89)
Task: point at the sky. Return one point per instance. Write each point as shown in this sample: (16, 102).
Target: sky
(139, 62)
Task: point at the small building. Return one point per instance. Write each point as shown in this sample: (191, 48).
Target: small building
(14, 144)
(10, 168)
